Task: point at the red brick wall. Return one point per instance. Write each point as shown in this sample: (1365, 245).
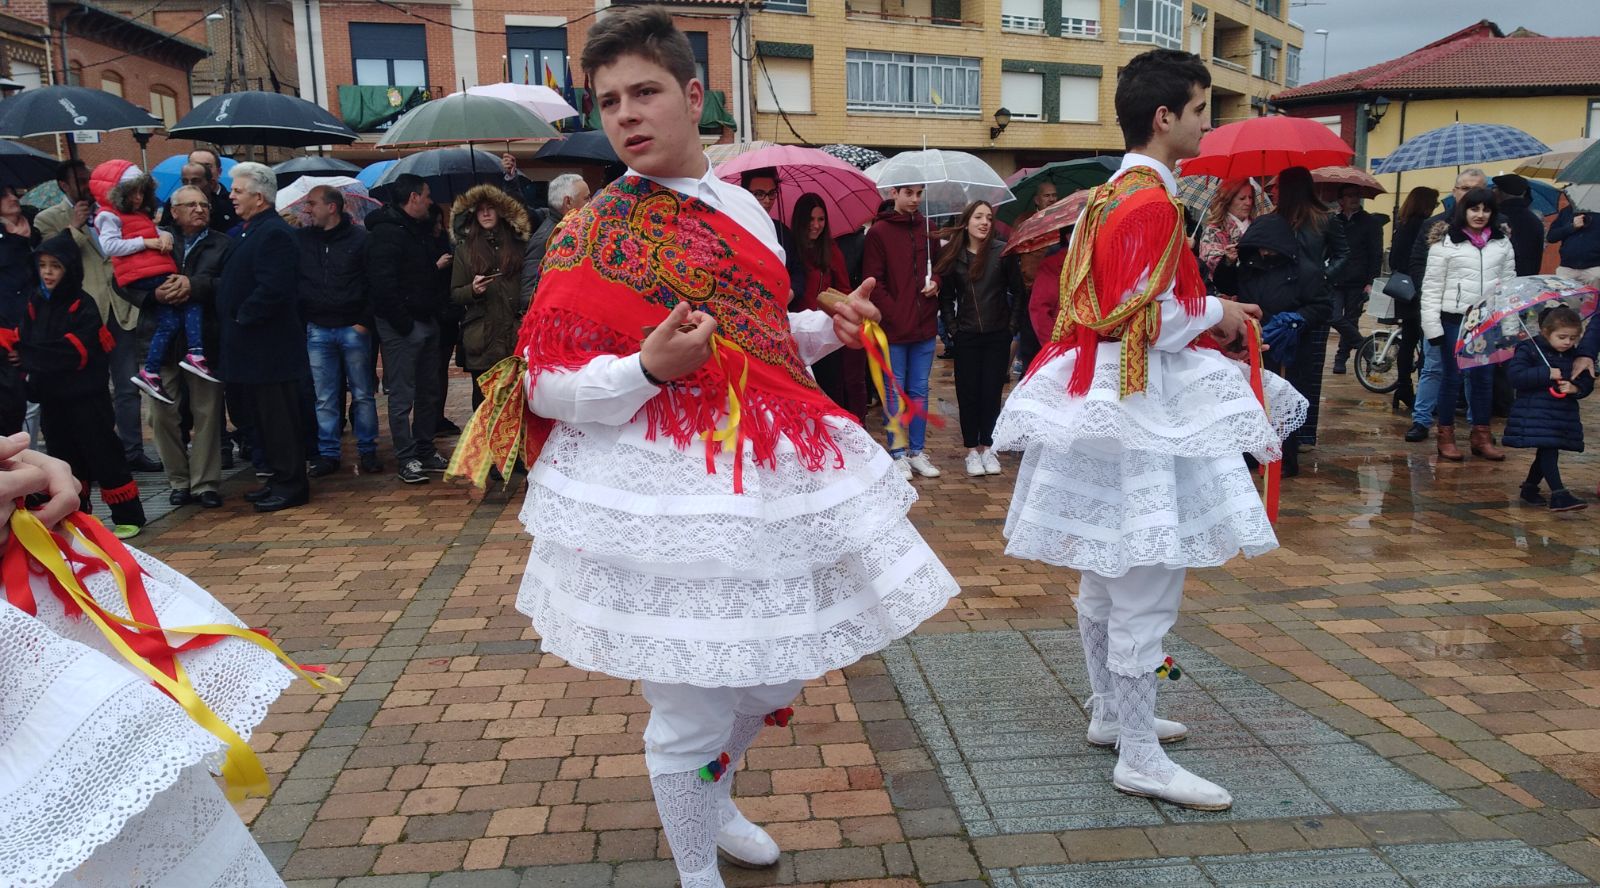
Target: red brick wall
(336, 19)
(138, 76)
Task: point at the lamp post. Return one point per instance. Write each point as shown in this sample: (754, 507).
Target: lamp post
(1323, 33)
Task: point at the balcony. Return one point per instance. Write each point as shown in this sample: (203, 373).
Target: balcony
(1080, 27)
(927, 13)
(1024, 24)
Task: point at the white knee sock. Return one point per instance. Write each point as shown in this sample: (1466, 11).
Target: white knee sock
(1138, 747)
(745, 730)
(1096, 646)
(688, 808)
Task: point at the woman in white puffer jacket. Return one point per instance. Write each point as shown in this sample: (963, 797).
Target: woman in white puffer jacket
(1469, 257)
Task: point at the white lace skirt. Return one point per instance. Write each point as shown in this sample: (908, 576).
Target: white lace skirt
(1109, 483)
(105, 781)
(644, 566)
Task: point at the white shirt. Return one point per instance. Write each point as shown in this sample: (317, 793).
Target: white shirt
(610, 390)
(1178, 327)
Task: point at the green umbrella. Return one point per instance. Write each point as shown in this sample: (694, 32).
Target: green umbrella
(1584, 169)
(464, 119)
(1068, 176)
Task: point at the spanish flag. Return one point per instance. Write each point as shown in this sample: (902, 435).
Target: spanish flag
(550, 78)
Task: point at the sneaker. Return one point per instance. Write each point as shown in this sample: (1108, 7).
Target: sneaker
(924, 466)
(1562, 501)
(991, 462)
(903, 465)
(411, 472)
(126, 531)
(370, 464)
(434, 463)
(975, 464)
(197, 365)
(151, 384)
(322, 467)
(1531, 495)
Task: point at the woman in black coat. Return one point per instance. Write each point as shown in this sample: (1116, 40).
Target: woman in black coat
(1545, 415)
(1419, 205)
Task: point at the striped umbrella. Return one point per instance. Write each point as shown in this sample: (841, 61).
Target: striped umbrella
(1460, 144)
(1550, 163)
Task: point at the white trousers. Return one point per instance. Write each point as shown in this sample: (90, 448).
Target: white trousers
(689, 726)
(1138, 609)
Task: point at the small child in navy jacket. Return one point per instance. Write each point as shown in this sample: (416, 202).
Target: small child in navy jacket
(1542, 419)
(63, 347)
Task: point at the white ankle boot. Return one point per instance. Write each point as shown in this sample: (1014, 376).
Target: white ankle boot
(1182, 788)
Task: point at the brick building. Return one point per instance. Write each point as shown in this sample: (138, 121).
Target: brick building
(443, 48)
(253, 41)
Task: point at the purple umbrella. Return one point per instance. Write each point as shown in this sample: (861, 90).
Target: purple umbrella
(850, 197)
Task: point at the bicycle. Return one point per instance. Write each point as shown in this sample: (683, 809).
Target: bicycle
(1378, 358)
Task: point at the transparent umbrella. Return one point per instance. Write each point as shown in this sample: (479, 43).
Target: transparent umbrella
(951, 179)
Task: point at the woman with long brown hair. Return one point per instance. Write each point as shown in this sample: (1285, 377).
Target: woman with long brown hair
(1232, 210)
(1418, 207)
(976, 288)
(815, 264)
(491, 232)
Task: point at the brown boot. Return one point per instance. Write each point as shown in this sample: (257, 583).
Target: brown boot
(1483, 444)
(1446, 439)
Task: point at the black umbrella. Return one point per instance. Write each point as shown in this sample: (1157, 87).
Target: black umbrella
(313, 165)
(22, 167)
(262, 118)
(48, 110)
(585, 147)
(448, 171)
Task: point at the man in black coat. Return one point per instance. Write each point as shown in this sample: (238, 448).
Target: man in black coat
(1363, 231)
(263, 347)
(1527, 229)
(194, 473)
(403, 265)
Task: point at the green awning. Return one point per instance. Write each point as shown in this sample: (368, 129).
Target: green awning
(713, 117)
(366, 108)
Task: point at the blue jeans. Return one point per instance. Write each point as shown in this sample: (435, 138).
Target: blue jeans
(169, 319)
(336, 350)
(911, 362)
(1440, 386)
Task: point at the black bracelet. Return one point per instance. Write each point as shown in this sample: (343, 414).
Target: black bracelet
(648, 376)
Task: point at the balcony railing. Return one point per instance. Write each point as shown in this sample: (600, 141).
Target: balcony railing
(919, 108)
(1232, 66)
(879, 15)
(1024, 23)
(1080, 27)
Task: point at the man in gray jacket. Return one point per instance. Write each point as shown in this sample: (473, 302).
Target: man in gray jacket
(567, 193)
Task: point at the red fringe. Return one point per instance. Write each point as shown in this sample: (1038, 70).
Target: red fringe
(114, 495)
(1087, 342)
(555, 339)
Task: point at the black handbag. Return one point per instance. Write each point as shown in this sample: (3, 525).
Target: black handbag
(1400, 287)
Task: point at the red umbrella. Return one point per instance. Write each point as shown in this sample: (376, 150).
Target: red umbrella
(1266, 146)
(1337, 177)
(1041, 229)
(851, 198)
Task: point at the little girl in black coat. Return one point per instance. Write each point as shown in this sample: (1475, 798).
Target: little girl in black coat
(1542, 419)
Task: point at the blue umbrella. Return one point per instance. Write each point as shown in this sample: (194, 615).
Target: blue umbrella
(370, 173)
(1460, 144)
(169, 174)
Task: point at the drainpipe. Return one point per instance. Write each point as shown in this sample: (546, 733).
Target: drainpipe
(316, 91)
(1404, 103)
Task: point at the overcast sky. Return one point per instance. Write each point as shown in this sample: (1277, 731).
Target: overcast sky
(1365, 32)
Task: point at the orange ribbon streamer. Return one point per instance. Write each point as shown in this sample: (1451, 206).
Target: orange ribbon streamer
(1271, 472)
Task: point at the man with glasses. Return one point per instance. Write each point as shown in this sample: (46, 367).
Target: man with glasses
(194, 473)
(202, 171)
(763, 186)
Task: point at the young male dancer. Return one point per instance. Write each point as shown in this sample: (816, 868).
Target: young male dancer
(704, 518)
(1134, 425)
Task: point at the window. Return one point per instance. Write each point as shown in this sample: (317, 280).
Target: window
(389, 55)
(530, 51)
(1022, 15)
(1153, 21)
(1080, 99)
(697, 42)
(164, 104)
(75, 74)
(801, 6)
(783, 85)
(1592, 130)
(1291, 67)
(1266, 60)
(900, 81)
(111, 83)
(1023, 95)
(1270, 7)
(1080, 18)
(30, 76)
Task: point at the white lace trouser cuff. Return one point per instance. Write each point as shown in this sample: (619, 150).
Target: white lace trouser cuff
(1138, 609)
(689, 726)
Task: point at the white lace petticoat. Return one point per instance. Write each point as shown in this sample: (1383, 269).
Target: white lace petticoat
(644, 566)
(1196, 403)
(104, 781)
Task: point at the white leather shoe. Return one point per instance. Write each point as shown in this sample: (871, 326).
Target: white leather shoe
(924, 466)
(991, 462)
(742, 843)
(975, 465)
(1104, 733)
(1184, 789)
(903, 466)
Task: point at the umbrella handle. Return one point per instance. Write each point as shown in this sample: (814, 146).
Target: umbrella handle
(1557, 393)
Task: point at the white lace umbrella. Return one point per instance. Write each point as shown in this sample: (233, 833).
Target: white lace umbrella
(292, 197)
(951, 179)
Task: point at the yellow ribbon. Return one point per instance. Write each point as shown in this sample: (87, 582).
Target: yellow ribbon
(876, 345)
(241, 769)
(496, 435)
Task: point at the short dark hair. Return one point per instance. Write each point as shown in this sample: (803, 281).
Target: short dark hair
(645, 31)
(65, 168)
(405, 185)
(1559, 317)
(330, 194)
(748, 176)
(1477, 197)
(1160, 78)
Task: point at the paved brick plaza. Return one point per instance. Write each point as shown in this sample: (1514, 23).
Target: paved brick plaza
(1404, 694)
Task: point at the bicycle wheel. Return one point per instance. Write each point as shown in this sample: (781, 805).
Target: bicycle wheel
(1376, 367)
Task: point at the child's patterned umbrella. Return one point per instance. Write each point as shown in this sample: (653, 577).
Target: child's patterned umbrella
(1491, 329)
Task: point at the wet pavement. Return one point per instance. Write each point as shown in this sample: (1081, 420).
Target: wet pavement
(1403, 694)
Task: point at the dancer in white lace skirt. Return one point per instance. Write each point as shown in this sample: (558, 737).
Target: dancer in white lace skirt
(1134, 424)
(704, 518)
(104, 780)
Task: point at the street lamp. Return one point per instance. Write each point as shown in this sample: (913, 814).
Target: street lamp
(1375, 112)
(1323, 33)
(1002, 119)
